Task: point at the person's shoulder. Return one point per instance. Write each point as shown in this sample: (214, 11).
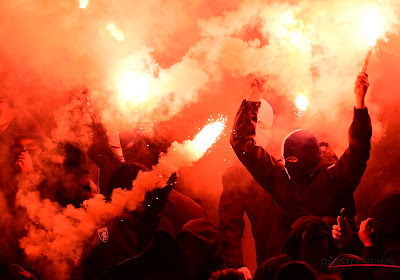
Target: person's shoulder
(178, 200)
(238, 174)
(268, 268)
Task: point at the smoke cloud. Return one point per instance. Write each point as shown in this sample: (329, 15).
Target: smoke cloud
(178, 62)
(57, 237)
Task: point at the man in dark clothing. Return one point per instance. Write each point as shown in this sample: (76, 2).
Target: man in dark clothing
(160, 219)
(240, 194)
(308, 180)
(309, 241)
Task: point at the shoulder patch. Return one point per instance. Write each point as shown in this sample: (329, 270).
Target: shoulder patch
(103, 234)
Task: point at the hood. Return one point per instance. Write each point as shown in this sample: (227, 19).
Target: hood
(305, 227)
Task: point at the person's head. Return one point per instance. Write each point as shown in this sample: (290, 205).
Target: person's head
(296, 270)
(301, 153)
(264, 124)
(28, 135)
(148, 213)
(66, 176)
(309, 241)
(24, 145)
(21, 156)
(123, 178)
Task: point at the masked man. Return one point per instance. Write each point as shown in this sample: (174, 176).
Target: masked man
(309, 179)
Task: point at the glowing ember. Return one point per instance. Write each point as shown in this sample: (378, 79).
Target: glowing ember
(302, 102)
(133, 87)
(83, 4)
(115, 32)
(207, 136)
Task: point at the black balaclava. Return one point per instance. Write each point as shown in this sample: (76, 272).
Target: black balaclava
(304, 145)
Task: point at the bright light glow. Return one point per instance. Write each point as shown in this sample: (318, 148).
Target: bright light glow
(133, 87)
(373, 24)
(291, 31)
(302, 102)
(115, 32)
(83, 4)
(207, 136)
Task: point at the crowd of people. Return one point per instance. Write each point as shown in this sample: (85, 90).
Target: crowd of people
(300, 205)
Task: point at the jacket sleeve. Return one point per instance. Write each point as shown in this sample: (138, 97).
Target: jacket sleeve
(352, 164)
(231, 226)
(255, 158)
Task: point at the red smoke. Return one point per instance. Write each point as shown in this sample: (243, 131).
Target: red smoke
(180, 62)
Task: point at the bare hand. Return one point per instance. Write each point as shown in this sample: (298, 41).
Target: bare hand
(360, 89)
(246, 272)
(24, 162)
(342, 232)
(258, 83)
(366, 232)
(257, 88)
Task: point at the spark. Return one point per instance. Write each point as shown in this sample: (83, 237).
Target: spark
(207, 136)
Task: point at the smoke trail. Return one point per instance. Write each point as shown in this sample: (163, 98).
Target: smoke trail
(58, 236)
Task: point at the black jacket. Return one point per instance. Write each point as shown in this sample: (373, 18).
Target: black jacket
(330, 186)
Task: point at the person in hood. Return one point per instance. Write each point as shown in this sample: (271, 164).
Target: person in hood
(309, 241)
(309, 179)
(242, 194)
(149, 243)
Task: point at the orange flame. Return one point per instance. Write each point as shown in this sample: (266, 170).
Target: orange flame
(207, 136)
(373, 24)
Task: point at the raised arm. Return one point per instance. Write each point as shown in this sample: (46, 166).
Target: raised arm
(257, 161)
(353, 162)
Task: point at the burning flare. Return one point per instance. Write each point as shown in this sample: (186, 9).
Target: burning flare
(373, 24)
(207, 136)
(302, 102)
(83, 4)
(115, 32)
(133, 87)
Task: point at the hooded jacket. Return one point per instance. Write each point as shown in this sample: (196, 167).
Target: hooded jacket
(330, 185)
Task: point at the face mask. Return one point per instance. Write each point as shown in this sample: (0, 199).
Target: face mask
(301, 153)
(300, 170)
